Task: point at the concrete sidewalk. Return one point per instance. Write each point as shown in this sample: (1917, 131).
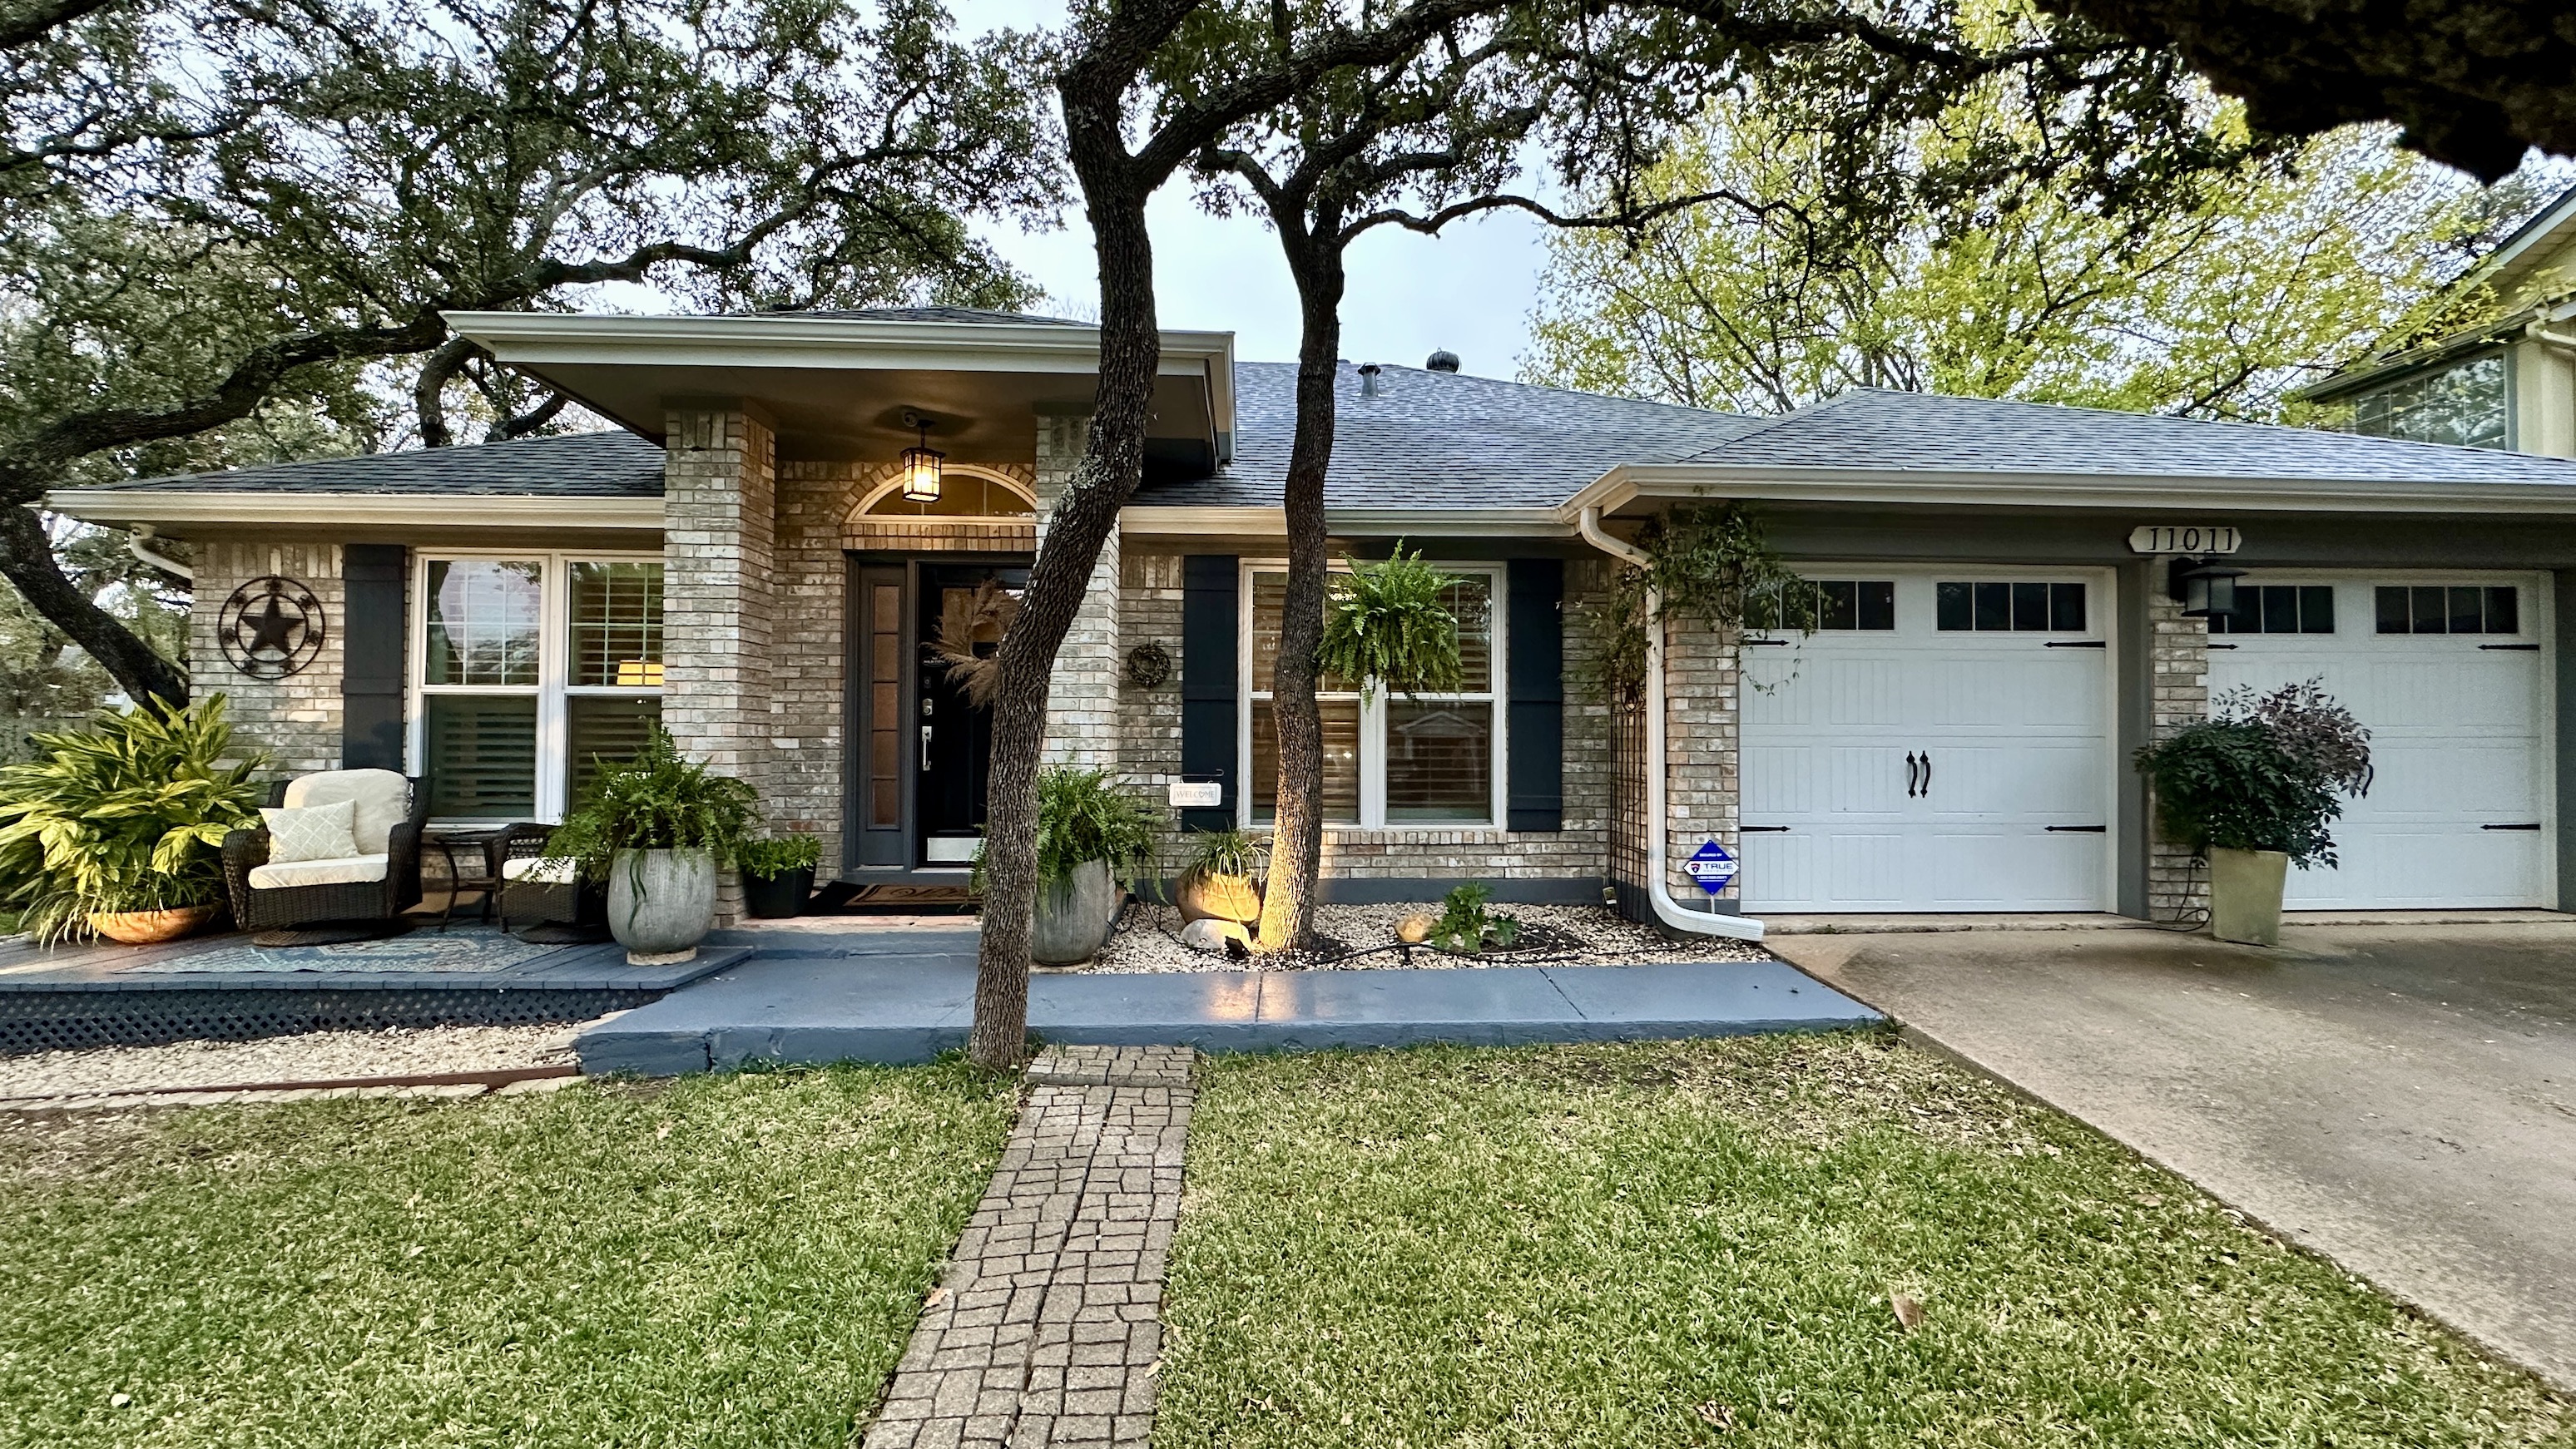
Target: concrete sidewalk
(908, 1005)
(2401, 1098)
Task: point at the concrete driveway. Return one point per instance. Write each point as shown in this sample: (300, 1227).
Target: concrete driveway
(2401, 1098)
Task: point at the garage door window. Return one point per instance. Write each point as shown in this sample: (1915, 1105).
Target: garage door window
(2449, 609)
(2279, 609)
(1988, 608)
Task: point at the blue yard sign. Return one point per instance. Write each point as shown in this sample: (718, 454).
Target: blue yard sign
(1712, 867)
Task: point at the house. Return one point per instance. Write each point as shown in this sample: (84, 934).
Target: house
(2007, 620)
(2506, 383)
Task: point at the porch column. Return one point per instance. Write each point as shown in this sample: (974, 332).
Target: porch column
(2177, 696)
(1701, 735)
(718, 526)
(1082, 694)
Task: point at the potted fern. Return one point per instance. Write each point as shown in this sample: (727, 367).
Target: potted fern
(656, 828)
(778, 874)
(1388, 625)
(118, 829)
(2253, 790)
(1092, 838)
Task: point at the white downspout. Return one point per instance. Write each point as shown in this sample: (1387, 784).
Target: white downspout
(134, 544)
(1741, 928)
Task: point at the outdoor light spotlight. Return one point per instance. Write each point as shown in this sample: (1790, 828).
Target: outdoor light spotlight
(921, 468)
(2204, 586)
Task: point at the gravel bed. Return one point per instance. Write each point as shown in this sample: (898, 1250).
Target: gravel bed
(1147, 941)
(314, 1056)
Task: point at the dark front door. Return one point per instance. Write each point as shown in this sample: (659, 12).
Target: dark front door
(956, 620)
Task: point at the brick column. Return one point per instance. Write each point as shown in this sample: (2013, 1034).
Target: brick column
(1082, 694)
(718, 523)
(1701, 739)
(2177, 695)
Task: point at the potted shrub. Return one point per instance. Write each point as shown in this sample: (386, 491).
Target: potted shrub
(656, 828)
(1092, 838)
(2253, 789)
(118, 829)
(1219, 881)
(778, 874)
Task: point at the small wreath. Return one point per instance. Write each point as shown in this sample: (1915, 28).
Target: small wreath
(1148, 666)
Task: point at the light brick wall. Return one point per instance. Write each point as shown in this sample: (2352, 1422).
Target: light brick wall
(719, 518)
(2177, 696)
(1083, 691)
(295, 719)
(1701, 743)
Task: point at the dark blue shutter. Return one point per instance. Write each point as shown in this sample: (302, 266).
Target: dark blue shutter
(1535, 782)
(371, 655)
(1210, 627)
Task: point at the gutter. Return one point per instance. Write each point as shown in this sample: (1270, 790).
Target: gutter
(142, 535)
(1741, 928)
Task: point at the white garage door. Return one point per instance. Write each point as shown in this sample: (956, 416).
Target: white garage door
(1942, 744)
(2451, 677)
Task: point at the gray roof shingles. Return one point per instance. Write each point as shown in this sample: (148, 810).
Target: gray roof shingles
(1909, 431)
(1445, 440)
(610, 464)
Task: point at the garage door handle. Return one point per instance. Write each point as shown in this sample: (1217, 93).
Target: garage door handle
(2079, 829)
(2532, 825)
(1927, 774)
(2522, 648)
(1911, 764)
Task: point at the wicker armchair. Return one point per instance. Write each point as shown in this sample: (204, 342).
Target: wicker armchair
(558, 903)
(360, 897)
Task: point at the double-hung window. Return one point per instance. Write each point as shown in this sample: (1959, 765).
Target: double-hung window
(1389, 758)
(531, 669)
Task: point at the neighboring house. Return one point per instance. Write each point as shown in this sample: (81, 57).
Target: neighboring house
(2510, 383)
(741, 564)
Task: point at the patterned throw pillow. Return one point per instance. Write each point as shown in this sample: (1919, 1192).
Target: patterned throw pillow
(319, 832)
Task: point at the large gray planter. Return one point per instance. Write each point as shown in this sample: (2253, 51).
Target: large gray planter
(2245, 888)
(1073, 916)
(661, 903)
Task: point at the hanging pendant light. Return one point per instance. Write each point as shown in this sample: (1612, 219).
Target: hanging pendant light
(921, 467)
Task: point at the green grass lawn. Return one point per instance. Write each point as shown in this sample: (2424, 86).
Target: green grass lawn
(1695, 1243)
(733, 1260)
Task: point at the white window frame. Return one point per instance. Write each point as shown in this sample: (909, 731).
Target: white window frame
(554, 661)
(1374, 705)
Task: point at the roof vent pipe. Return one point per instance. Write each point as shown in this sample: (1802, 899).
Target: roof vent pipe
(1442, 361)
(1368, 379)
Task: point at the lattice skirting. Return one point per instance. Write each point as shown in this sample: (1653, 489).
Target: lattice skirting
(36, 1021)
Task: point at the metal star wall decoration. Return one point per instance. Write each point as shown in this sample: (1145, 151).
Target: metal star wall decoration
(270, 628)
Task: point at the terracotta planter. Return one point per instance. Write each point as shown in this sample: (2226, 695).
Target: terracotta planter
(147, 928)
(1206, 895)
(2245, 895)
(1074, 916)
(661, 903)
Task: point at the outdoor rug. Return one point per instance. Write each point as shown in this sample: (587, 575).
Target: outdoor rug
(459, 952)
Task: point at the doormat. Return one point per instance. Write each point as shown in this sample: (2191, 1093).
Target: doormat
(842, 898)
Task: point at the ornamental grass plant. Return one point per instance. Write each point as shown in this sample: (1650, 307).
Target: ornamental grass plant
(129, 814)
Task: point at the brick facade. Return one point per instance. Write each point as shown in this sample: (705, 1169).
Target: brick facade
(2177, 696)
(1082, 695)
(296, 719)
(1701, 738)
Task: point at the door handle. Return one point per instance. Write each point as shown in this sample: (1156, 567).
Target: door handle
(1762, 830)
(1910, 766)
(1927, 774)
(2077, 829)
(2528, 825)
(925, 749)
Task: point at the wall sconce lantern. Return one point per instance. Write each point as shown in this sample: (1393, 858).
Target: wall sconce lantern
(2204, 586)
(921, 465)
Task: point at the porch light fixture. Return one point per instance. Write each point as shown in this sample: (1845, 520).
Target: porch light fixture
(2203, 586)
(921, 466)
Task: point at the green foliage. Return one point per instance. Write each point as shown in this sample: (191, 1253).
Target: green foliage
(2013, 287)
(1083, 817)
(771, 856)
(1389, 625)
(1710, 563)
(129, 814)
(658, 800)
(1466, 926)
(1228, 852)
(2260, 774)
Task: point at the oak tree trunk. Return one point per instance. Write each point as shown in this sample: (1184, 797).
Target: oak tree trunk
(1297, 843)
(27, 561)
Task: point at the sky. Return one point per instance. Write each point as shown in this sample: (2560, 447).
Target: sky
(1469, 290)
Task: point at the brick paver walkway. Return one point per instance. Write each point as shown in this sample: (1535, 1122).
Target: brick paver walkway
(1047, 1327)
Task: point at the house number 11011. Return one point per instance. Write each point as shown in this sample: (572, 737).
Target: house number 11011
(2182, 538)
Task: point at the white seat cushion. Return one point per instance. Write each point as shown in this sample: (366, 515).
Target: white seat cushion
(383, 798)
(316, 832)
(540, 872)
(344, 871)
